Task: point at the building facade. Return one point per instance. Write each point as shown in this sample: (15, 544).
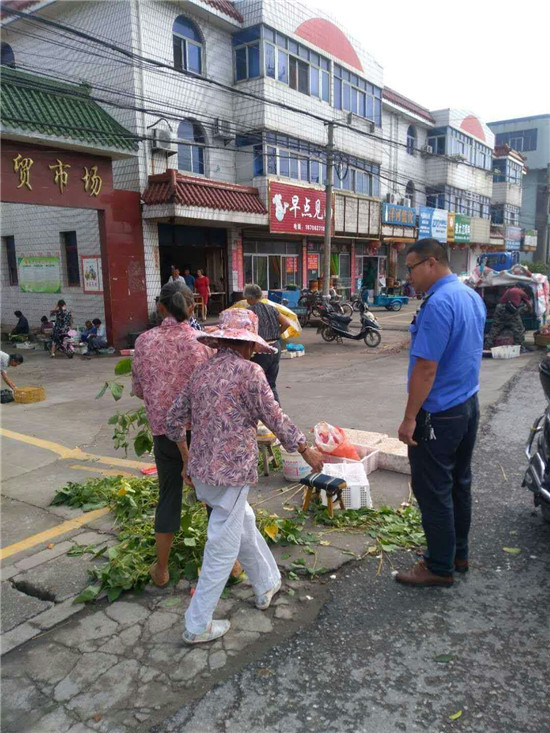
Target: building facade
(530, 136)
(231, 104)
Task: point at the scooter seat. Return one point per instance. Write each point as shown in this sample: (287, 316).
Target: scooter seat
(344, 320)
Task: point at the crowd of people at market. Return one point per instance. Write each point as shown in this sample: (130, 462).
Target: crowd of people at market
(58, 326)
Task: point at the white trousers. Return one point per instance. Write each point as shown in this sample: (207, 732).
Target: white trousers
(232, 534)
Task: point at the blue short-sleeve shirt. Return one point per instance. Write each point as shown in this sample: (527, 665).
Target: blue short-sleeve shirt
(449, 330)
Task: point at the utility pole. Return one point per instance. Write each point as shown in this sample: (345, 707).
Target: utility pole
(328, 207)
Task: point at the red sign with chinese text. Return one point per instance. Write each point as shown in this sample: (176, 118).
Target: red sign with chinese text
(313, 262)
(291, 265)
(296, 210)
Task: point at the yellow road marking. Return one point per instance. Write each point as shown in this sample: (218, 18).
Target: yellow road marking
(49, 534)
(74, 453)
(104, 471)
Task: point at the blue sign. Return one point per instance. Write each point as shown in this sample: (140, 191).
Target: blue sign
(432, 224)
(401, 216)
(512, 238)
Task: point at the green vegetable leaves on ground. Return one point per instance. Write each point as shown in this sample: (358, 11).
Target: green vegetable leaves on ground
(125, 566)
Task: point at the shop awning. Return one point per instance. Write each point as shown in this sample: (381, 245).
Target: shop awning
(185, 196)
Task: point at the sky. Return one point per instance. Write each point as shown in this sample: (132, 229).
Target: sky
(486, 56)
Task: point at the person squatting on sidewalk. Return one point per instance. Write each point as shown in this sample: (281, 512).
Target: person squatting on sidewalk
(442, 412)
(224, 400)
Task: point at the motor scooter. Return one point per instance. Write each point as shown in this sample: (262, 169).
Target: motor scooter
(335, 326)
(537, 476)
(67, 344)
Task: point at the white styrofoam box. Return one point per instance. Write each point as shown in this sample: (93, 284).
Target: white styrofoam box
(368, 458)
(393, 456)
(357, 493)
(506, 352)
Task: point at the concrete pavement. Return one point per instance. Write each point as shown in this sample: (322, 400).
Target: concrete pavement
(361, 388)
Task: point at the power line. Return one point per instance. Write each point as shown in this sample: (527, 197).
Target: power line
(202, 80)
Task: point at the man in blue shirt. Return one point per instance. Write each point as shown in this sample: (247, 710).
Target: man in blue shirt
(189, 279)
(442, 411)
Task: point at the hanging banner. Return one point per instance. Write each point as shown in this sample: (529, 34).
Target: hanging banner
(92, 280)
(432, 224)
(39, 274)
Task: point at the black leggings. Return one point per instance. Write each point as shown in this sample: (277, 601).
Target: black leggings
(169, 468)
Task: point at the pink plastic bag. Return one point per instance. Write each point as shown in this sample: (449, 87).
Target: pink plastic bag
(333, 441)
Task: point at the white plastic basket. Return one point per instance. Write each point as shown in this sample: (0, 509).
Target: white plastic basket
(357, 493)
(368, 457)
(506, 352)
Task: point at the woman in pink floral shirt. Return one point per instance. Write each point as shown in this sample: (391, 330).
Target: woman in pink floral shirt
(224, 401)
(164, 359)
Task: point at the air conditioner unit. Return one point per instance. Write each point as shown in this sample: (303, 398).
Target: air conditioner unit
(223, 129)
(390, 198)
(427, 149)
(407, 201)
(162, 142)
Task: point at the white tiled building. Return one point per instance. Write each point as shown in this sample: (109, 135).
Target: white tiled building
(237, 95)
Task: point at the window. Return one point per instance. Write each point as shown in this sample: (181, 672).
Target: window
(247, 54)
(411, 140)
(506, 171)
(191, 155)
(187, 45)
(9, 245)
(7, 57)
(68, 242)
(522, 140)
(353, 94)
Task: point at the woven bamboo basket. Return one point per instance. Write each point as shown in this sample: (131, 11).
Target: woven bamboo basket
(25, 395)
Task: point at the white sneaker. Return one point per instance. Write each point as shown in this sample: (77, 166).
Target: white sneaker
(263, 602)
(217, 629)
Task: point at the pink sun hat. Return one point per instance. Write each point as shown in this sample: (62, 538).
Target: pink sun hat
(236, 324)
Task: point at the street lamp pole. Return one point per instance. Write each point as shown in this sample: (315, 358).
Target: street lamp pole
(328, 207)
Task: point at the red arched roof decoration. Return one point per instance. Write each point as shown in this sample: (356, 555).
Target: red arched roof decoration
(325, 35)
(472, 125)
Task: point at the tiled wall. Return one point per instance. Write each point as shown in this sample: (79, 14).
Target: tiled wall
(398, 166)
(36, 229)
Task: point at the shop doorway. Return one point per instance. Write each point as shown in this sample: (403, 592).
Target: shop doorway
(196, 248)
(372, 272)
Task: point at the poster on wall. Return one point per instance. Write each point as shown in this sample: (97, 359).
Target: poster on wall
(92, 280)
(39, 274)
(313, 262)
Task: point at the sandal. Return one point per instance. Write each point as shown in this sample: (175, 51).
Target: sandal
(152, 573)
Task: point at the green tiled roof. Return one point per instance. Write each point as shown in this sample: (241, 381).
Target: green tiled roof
(42, 105)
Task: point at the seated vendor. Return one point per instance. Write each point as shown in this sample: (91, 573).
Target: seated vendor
(21, 330)
(90, 330)
(46, 326)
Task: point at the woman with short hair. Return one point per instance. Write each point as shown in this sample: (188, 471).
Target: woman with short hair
(164, 359)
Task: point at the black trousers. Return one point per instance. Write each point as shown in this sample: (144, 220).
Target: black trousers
(441, 481)
(270, 365)
(169, 468)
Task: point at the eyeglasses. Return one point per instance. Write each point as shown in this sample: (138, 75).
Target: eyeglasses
(410, 268)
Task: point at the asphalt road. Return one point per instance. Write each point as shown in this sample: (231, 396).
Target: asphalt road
(367, 663)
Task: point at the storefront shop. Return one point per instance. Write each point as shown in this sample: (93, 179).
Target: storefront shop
(271, 263)
(196, 248)
(196, 223)
(398, 231)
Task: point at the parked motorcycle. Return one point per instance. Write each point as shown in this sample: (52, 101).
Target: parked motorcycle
(335, 327)
(312, 299)
(537, 476)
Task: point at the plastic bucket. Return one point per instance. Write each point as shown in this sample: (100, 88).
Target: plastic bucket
(294, 466)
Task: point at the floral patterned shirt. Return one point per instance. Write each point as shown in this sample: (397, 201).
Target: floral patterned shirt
(224, 401)
(164, 359)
